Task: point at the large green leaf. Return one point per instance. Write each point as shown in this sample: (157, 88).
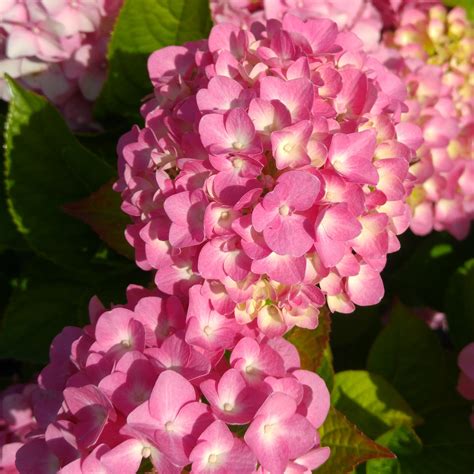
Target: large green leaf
(144, 26)
(448, 446)
(460, 305)
(402, 441)
(408, 354)
(349, 446)
(9, 235)
(371, 402)
(46, 167)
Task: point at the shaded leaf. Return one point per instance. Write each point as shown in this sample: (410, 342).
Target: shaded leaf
(326, 369)
(460, 305)
(408, 354)
(312, 344)
(421, 279)
(46, 167)
(101, 210)
(349, 446)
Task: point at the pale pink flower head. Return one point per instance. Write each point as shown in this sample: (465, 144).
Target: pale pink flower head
(58, 49)
(288, 178)
(433, 52)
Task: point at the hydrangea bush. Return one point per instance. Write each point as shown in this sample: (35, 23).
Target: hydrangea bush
(272, 165)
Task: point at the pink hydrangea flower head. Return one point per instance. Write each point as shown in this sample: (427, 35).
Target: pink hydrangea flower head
(57, 48)
(127, 395)
(432, 50)
(285, 182)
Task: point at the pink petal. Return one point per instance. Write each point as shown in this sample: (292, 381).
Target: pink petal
(170, 393)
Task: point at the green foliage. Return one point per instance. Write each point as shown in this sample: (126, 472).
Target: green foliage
(468, 5)
(311, 344)
(101, 210)
(371, 402)
(460, 305)
(9, 236)
(46, 298)
(349, 447)
(419, 278)
(444, 444)
(408, 354)
(46, 168)
(144, 26)
(402, 441)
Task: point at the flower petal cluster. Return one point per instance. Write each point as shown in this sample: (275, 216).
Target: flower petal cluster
(365, 18)
(272, 169)
(435, 56)
(466, 377)
(57, 48)
(392, 10)
(359, 16)
(16, 422)
(146, 384)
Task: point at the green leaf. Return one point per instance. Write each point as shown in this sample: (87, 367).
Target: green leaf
(349, 446)
(448, 441)
(46, 168)
(312, 344)
(101, 210)
(371, 402)
(460, 304)
(421, 279)
(144, 26)
(46, 298)
(326, 369)
(40, 308)
(448, 447)
(402, 441)
(408, 354)
(9, 236)
(468, 5)
(353, 334)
